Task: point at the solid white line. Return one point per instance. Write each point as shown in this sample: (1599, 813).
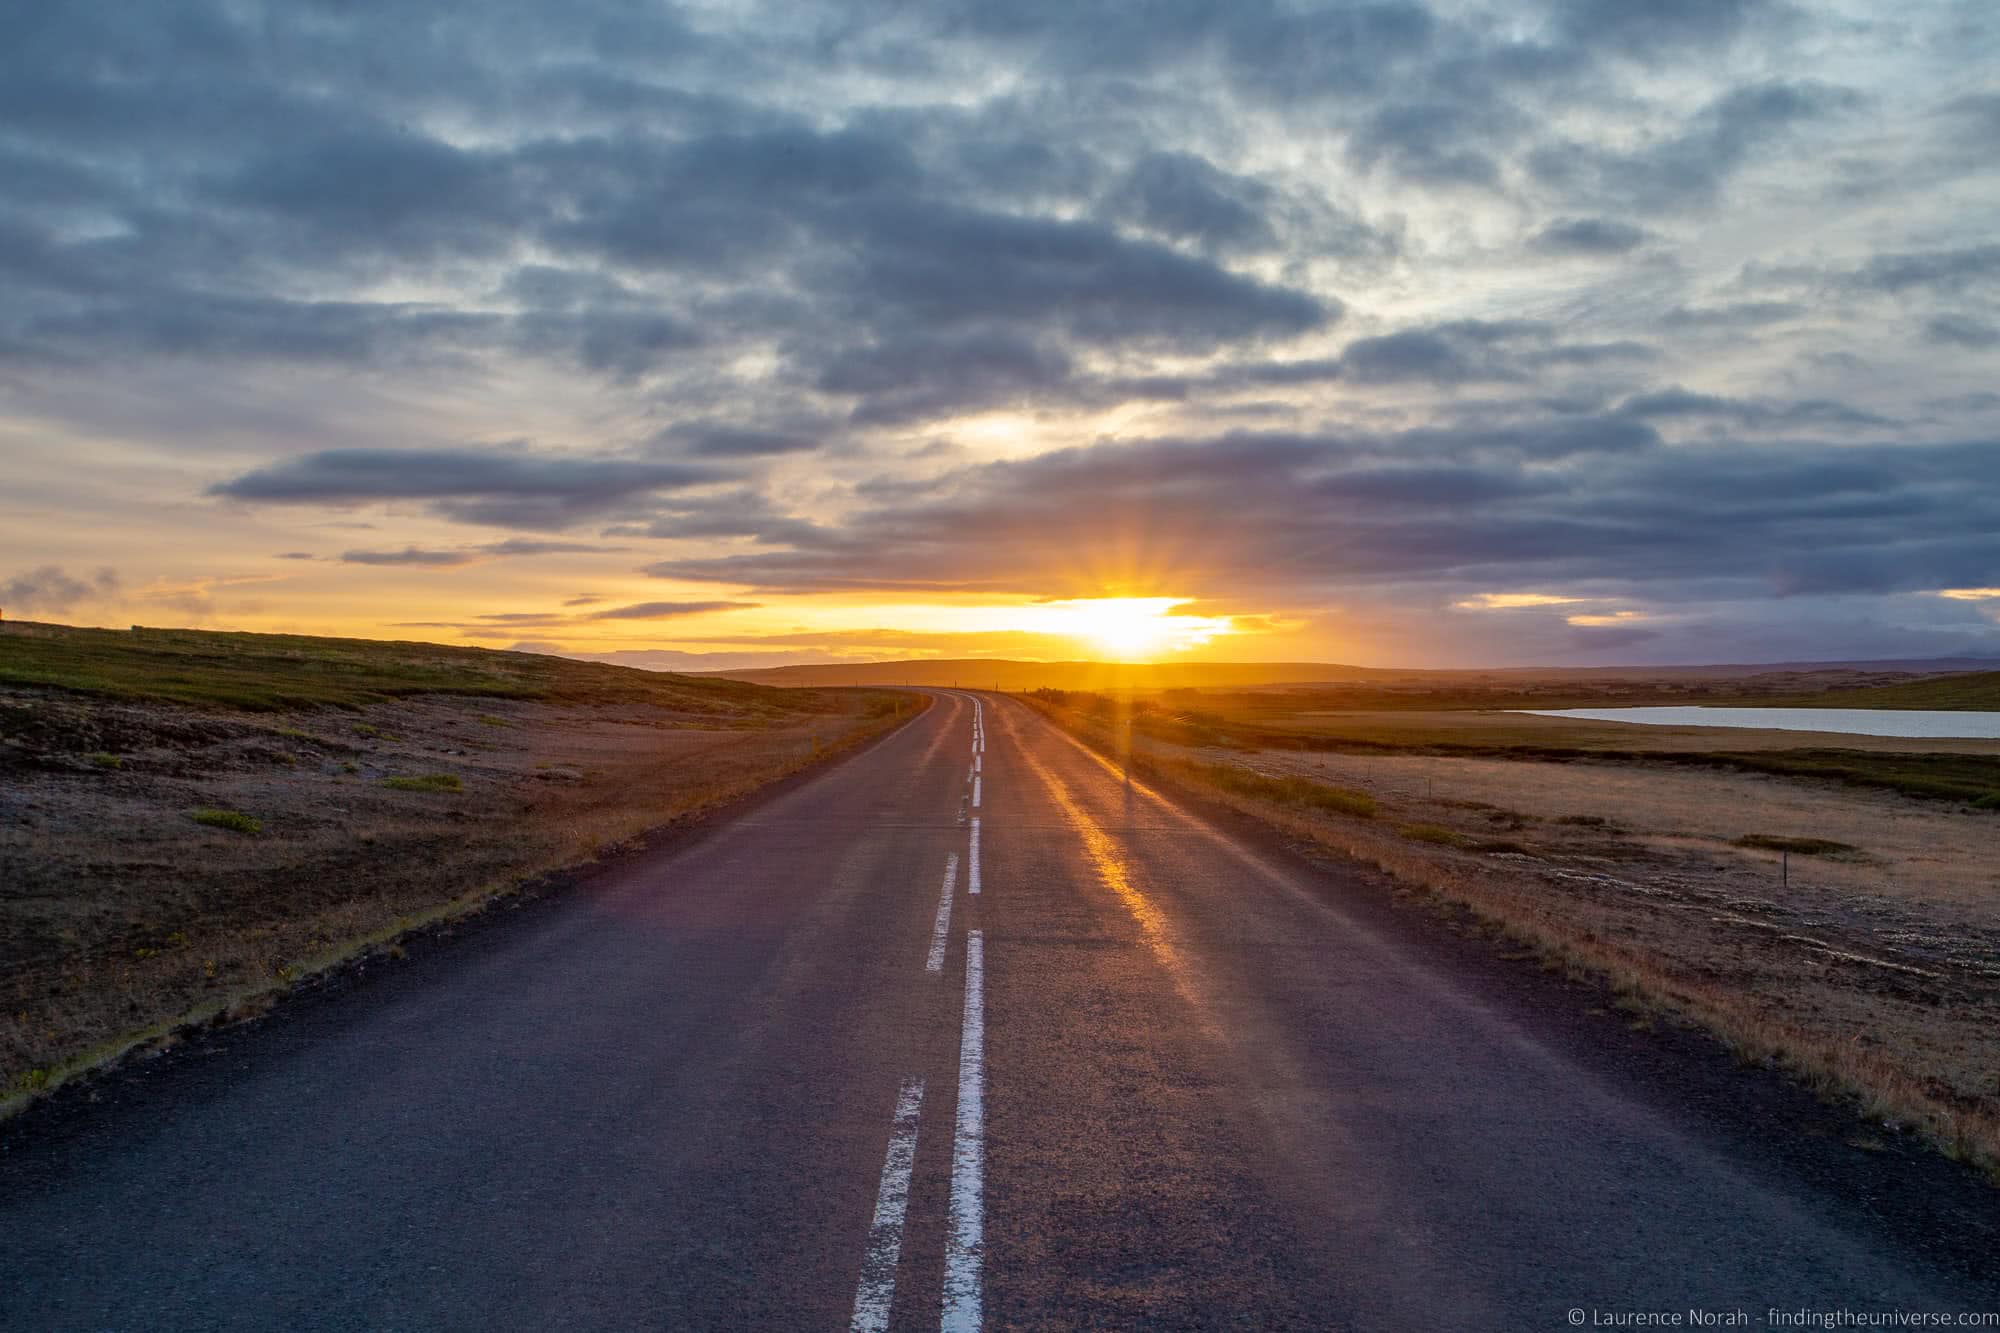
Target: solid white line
(972, 860)
(975, 792)
(965, 1235)
(942, 929)
(885, 1235)
(975, 763)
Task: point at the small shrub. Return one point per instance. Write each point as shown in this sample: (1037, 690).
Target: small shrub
(293, 733)
(428, 782)
(487, 719)
(110, 761)
(1772, 842)
(1434, 834)
(233, 820)
(1990, 801)
(363, 729)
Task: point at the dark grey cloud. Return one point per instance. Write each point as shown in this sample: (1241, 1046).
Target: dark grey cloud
(758, 257)
(712, 439)
(1962, 331)
(1946, 270)
(1481, 508)
(413, 556)
(1425, 356)
(535, 546)
(948, 267)
(1590, 237)
(1435, 143)
(51, 588)
(1655, 30)
(1459, 352)
(1688, 169)
(1676, 402)
(1186, 198)
(456, 557)
(502, 486)
(667, 610)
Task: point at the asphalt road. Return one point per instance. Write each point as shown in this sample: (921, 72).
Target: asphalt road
(963, 1030)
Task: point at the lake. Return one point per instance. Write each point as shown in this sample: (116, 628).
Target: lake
(1853, 721)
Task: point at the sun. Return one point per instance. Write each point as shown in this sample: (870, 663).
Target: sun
(1126, 628)
(1123, 629)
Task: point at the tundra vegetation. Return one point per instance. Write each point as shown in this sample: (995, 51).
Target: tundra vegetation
(1685, 873)
(190, 821)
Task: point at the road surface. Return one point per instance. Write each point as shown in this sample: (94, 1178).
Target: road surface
(962, 1031)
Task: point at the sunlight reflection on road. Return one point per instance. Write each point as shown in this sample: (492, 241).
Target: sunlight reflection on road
(1112, 866)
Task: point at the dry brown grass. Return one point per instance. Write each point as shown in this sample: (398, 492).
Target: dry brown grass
(1885, 995)
(121, 917)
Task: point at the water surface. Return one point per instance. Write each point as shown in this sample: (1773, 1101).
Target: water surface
(1853, 721)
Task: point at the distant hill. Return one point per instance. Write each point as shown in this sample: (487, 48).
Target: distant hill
(1004, 674)
(1976, 692)
(1007, 674)
(263, 672)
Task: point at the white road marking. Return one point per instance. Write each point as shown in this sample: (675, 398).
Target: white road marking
(942, 929)
(975, 763)
(972, 860)
(885, 1235)
(965, 1233)
(975, 792)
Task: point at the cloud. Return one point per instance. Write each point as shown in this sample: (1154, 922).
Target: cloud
(761, 269)
(723, 440)
(1962, 331)
(1686, 170)
(667, 610)
(1308, 515)
(1588, 237)
(52, 588)
(1950, 269)
(411, 555)
(1186, 198)
(1676, 402)
(471, 555)
(503, 486)
(1652, 32)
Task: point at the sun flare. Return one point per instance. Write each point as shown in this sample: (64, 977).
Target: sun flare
(1126, 629)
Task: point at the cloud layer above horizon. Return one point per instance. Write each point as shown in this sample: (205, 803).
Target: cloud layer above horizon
(1425, 333)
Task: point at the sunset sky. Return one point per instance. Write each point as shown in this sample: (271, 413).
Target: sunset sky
(1392, 333)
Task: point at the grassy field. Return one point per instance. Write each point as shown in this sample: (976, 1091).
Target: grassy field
(190, 822)
(1976, 691)
(272, 672)
(1960, 771)
(1835, 913)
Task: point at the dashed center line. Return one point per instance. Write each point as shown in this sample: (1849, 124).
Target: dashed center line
(975, 793)
(972, 860)
(877, 1290)
(965, 1234)
(942, 930)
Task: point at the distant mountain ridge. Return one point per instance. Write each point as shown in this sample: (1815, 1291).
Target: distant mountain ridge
(1010, 674)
